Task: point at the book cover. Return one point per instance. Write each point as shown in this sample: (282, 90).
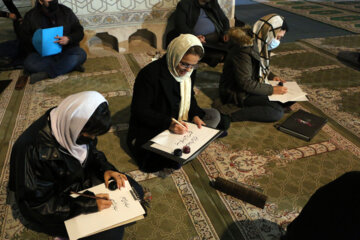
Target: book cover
(302, 124)
(44, 41)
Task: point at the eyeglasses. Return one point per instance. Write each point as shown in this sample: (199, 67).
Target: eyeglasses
(187, 66)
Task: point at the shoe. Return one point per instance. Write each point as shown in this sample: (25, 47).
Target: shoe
(79, 68)
(36, 77)
(21, 82)
(224, 123)
(224, 134)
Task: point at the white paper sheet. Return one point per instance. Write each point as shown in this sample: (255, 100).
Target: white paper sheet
(294, 93)
(195, 138)
(123, 209)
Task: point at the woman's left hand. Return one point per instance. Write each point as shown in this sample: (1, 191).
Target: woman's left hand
(118, 177)
(279, 79)
(198, 121)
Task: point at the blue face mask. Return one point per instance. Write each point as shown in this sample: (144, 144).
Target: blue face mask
(273, 44)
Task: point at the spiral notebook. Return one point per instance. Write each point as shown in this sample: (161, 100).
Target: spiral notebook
(302, 124)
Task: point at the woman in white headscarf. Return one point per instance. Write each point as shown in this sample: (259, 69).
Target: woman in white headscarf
(244, 82)
(57, 155)
(164, 90)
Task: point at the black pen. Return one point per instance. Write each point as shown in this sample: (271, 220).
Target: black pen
(90, 196)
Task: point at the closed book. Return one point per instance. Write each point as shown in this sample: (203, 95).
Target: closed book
(302, 124)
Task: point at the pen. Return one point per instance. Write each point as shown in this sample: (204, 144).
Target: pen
(177, 122)
(89, 196)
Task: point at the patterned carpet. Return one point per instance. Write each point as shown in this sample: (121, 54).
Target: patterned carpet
(184, 206)
(342, 14)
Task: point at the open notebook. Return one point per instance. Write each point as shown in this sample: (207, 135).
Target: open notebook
(126, 208)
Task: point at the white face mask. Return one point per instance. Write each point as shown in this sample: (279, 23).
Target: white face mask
(273, 44)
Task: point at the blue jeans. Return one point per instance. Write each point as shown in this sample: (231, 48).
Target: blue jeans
(55, 65)
(259, 109)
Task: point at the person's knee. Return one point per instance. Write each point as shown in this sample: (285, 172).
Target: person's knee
(276, 115)
(80, 53)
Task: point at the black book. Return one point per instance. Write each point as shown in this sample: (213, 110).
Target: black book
(302, 124)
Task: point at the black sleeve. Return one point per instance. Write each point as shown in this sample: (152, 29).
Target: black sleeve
(77, 30)
(145, 91)
(242, 63)
(44, 197)
(4, 14)
(99, 161)
(26, 33)
(182, 13)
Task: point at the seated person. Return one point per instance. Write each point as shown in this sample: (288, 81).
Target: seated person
(56, 155)
(164, 90)
(332, 212)
(206, 20)
(246, 70)
(47, 14)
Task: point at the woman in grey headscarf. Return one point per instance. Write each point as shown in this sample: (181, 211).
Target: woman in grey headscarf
(244, 82)
(57, 155)
(164, 90)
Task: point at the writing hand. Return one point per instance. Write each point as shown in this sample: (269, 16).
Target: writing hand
(279, 90)
(198, 121)
(64, 40)
(177, 128)
(118, 177)
(279, 79)
(103, 203)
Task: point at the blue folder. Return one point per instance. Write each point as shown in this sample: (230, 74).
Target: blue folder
(43, 41)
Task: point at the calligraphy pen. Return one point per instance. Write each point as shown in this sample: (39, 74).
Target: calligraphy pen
(177, 122)
(90, 196)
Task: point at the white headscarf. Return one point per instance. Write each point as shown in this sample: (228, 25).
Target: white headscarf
(175, 52)
(70, 117)
(265, 30)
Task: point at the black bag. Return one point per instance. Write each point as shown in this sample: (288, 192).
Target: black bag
(302, 124)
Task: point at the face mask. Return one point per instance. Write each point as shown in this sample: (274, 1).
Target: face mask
(53, 6)
(273, 44)
(83, 140)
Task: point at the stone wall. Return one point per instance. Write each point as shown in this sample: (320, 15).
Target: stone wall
(122, 18)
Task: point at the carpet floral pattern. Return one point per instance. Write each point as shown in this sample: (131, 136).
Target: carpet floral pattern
(331, 85)
(273, 174)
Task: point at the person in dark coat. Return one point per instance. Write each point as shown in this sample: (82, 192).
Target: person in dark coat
(206, 20)
(164, 90)
(246, 71)
(47, 14)
(57, 155)
(332, 212)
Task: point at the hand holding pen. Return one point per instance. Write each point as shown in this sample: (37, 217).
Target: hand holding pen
(178, 127)
(102, 199)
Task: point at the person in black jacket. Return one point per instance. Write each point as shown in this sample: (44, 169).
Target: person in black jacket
(164, 90)
(47, 14)
(244, 81)
(332, 212)
(206, 20)
(56, 155)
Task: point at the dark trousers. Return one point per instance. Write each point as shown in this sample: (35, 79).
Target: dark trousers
(55, 65)
(259, 109)
(332, 212)
(13, 52)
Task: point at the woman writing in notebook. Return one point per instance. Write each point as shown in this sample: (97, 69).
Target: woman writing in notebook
(164, 90)
(244, 82)
(57, 155)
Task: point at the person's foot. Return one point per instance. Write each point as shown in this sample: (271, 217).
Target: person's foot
(79, 68)
(36, 77)
(21, 82)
